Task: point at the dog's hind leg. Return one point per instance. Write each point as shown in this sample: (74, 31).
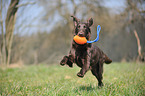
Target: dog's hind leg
(97, 71)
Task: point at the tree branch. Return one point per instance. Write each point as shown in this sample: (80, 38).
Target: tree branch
(20, 5)
(138, 43)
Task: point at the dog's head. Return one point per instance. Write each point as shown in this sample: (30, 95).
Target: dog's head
(82, 29)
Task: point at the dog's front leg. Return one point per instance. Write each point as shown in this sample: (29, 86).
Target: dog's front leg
(64, 60)
(85, 67)
(69, 60)
(72, 55)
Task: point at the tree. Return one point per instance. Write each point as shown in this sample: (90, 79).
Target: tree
(135, 15)
(2, 43)
(7, 37)
(10, 24)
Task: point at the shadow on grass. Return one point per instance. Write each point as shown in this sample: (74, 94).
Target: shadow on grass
(86, 88)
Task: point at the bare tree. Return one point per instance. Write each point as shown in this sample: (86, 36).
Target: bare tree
(2, 45)
(135, 15)
(7, 36)
(140, 56)
(10, 22)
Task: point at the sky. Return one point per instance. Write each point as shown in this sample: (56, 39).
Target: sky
(29, 16)
(115, 5)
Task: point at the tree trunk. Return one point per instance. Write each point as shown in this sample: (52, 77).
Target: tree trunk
(139, 46)
(10, 24)
(35, 57)
(2, 45)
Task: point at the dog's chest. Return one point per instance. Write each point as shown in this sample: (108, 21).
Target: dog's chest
(80, 56)
(81, 52)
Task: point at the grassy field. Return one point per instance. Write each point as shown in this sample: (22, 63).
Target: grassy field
(120, 79)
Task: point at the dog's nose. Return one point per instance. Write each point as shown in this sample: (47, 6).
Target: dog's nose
(81, 34)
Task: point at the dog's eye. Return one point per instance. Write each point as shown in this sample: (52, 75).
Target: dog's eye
(79, 26)
(84, 26)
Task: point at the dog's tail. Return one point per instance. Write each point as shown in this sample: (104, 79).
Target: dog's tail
(107, 59)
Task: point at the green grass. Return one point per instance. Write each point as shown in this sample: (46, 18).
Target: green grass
(120, 79)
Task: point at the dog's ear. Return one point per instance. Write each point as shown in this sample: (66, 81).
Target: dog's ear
(90, 22)
(75, 20)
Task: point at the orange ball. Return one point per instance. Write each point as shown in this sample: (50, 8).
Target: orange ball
(80, 40)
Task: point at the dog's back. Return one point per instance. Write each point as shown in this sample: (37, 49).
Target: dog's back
(100, 54)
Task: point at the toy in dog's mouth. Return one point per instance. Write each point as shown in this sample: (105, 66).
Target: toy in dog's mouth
(83, 40)
(80, 40)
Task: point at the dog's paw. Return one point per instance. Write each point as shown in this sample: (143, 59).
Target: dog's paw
(64, 61)
(100, 85)
(80, 75)
(70, 64)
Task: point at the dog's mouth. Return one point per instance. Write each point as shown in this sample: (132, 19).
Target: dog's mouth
(81, 34)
